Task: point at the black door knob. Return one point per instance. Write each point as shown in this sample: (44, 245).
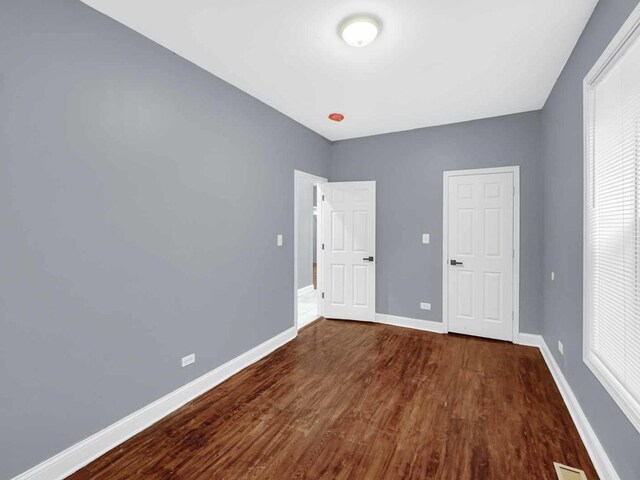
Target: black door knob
(455, 262)
(368, 259)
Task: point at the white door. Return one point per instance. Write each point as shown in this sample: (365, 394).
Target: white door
(349, 249)
(480, 254)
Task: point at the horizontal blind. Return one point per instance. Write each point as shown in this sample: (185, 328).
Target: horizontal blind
(613, 216)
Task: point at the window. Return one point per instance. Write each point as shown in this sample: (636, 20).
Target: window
(612, 219)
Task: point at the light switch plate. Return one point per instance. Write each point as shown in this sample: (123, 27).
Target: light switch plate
(553, 276)
(560, 347)
(426, 238)
(279, 240)
(425, 306)
(188, 360)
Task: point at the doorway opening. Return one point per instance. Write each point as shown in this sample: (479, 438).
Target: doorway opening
(307, 251)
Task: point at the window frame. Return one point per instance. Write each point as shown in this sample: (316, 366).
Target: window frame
(625, 37)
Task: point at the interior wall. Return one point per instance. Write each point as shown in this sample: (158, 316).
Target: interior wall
(563, 222)
(408, 168)
(140, 199)
(304, 253)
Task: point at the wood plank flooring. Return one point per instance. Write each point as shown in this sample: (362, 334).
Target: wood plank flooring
(349, 400)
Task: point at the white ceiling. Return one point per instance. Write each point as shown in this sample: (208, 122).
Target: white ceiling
(435, 61)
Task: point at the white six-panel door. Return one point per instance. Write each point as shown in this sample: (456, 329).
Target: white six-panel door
(349, 229)
(480, 241)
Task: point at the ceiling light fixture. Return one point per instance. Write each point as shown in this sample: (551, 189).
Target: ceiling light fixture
(360, 30)
(336, 117)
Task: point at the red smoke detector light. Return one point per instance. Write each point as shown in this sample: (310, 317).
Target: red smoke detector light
(336, 117)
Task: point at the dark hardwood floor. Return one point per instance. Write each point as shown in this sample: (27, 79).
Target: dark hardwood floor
(349, 400)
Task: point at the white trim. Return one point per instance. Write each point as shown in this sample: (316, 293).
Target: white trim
(598, 455)
(617, 45)
(529, 339)
(625, 401)
(305, 290)
(515, 170)
(299, 175)
(307, 321)
(309, 176)
(84, 452)
(319, 252)
(615, 50)
(483, 171)
(414, 323)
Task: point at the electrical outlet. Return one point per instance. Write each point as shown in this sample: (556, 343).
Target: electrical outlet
(188, 360)
(279, 240)
(553, 276)
(560, 347)
(425, 306)
(426, 238)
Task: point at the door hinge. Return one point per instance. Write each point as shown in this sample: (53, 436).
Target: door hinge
(323, 198)
(322, 294)
(513, 253)
(323, 246)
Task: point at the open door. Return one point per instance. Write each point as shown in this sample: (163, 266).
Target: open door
(349, 250)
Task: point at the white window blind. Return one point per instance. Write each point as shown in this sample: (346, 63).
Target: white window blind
(612, 225)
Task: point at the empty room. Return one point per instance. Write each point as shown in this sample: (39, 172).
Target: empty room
(339, 239)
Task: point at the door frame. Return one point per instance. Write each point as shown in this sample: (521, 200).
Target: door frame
(300, 175)
(515, 170)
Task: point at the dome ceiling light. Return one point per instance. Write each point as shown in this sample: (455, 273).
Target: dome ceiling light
(360, 30)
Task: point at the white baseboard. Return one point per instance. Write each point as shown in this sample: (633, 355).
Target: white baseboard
(307, 289)
(415, 323)
(529, 339)
(306, 321)
(84, 452)
(599, 457)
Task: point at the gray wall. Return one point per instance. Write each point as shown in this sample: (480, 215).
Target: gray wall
(305, 232)
(408, 169)
(140, 198)
(562, 199)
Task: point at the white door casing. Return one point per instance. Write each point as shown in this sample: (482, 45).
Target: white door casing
(313, 180)
(480, 234)
(349, 226)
